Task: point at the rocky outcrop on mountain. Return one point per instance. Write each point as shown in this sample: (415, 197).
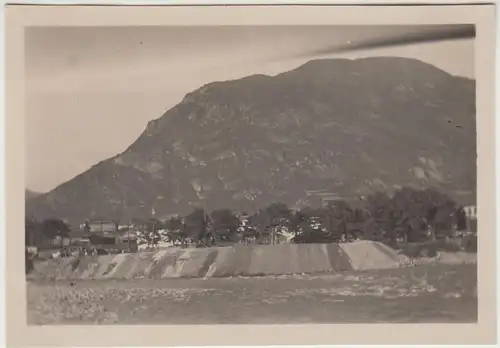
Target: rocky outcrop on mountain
(342, 127)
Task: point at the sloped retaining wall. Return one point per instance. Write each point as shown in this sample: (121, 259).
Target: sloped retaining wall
(258, 260)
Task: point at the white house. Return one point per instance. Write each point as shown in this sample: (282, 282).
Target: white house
(471, 217)
(471, 212)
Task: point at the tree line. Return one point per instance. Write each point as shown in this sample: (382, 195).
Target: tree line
(409, 215)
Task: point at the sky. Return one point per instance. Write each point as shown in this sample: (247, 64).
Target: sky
(90, 92)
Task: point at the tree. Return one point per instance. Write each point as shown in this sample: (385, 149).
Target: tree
(270, 218)
(318, 225)
(175, 229)
(300, 220)
(31, 230)
(53, 228)
(339, 219)
(174, 224)
(224, 222)
(380, 207)
(195, 224)
(461, 219)
(410, 213)
(277, 215)
(259, 219)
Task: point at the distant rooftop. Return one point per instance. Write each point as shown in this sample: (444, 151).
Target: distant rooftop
(102, 226)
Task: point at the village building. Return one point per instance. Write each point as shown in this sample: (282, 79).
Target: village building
(471, 218)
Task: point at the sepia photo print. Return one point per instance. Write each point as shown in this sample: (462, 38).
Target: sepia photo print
(251, 174)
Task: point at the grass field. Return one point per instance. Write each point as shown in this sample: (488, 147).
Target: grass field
(431, 293)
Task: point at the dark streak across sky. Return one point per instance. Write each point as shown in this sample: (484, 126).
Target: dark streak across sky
(459, 32)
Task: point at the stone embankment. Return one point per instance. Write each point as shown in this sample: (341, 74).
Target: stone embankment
(256, 260)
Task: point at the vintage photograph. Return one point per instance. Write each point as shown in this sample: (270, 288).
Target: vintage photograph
(250, 175)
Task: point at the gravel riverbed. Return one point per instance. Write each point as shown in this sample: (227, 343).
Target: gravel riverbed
(429, 293)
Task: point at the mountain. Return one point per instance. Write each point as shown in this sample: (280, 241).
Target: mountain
(29, 195)
(344, 127)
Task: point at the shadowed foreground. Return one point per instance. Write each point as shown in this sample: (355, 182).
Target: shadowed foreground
(431, 293)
